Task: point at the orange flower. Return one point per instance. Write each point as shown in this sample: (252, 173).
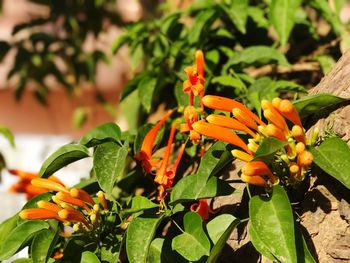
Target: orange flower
(219, 133)
(102, 200)
(243, 156)
(243, 118)
(145, 154)
(38, 213)
(298, 133)
(82, 195)
(255, 180)
(273, 116)
(273, 131)
(258, 168)
(190, 115)
(49, 206)
(305, 158)
(22, 174)
(202, 208)
(71, 200)
(230, 123)
(288, 110)
(49, 184)
(72, 216)
(225, 104)
(200, 62)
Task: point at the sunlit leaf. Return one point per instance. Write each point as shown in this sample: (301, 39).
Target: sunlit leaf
(89, 257)
(103, 133)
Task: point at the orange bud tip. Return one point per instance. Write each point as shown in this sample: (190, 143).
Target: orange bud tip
(49, 184)
(37, 213)
(305, 158)
(288, 110)
(294, 168)
(298, 133)
(276, 103)
(243, 118)
(299, 147)
(273, 131)
(200, 62)
(243, 156)
(254, 180)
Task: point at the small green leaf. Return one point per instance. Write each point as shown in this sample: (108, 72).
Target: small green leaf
(119, 42)
(65, 155)
(229, 81)
(19, 237)
(130, 108)
(89, 257)
(317, 103)
(323, 7)
(139, 203)
(146, 88)
(139, 236)
(43, 245)
(326, 63)
(80, 117)
(201, 24)
(258, 16)
(269, 146)
(109, 162)
(272, 220)
(103, 133)
(290, 86)
(8, 135)
(219, 231)
(132, 85)
(193, 243)
(7, 226)
(237, 12)
(282, 17)
(333, 157)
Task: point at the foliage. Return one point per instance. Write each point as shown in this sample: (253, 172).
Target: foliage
(158, 183)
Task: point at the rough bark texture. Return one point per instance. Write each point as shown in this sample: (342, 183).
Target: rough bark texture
(324, 202)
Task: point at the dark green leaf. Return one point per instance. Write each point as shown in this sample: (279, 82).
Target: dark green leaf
(317, 103)
(333, 157)
(65, 155)
(272, 220)
(109, 162)
(8, 135)
(139, 236)
(193, 243)
(89, 257)
(146, 89)
(201, 23)
(139, 203)
(103, 133)
(181, 97)
(7, 226)
(269, 146)
(43, 245)
(237, 12)
(219, 231)
(19, 237)
(131, 86)
(282, 17)
(4, 48)
(303, 251)
(169, 22)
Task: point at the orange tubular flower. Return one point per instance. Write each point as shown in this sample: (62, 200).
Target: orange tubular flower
(72, 216)
(243, 156)
(145, 154)
(230, 123)
(299, 147)
(49, 206)
(38, 213)
(273, 131)
(258, 168)
(243, 118)
(298, 133)
(190, 115)
(71, 200)
(288, 110)
(255, 180)
(200, 62)
(202, 208)
(49, 184)
(305, 159)
(273, 116)
(161, 172)
(225, 104)
(82, 195)
(102, 200)
(22, 174)
(219, 133)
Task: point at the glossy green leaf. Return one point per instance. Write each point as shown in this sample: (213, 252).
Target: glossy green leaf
(43, 245)
(229, 81)
(272, 220)
(19, 237)
(169, 23)
(139, 203)
(259, 244)
(139, 236)
(201, 24)
(7, 226)
(256, 55)
(282, 17)
(192, 188)
(317, 103)
(193, 243)
(89, 257)
(333, 156)
(65, 155)
(109, 162)
(103, 133)
(303, 251)
(8, 135)
(269, 146)
(146, 89)
(237, 12)
(155, 251)
(23, 260)
(219, 230)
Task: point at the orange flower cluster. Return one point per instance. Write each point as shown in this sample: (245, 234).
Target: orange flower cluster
(276, 113)
(69, 206)
(164, 175)
(23, 185)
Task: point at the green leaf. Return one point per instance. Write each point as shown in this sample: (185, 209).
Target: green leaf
(103, 133)
(259, 244)
(7, 226)
(237, 12)
(192, 188)
(65, 155)
(109, 162)
(146, 88)
(131, 85)
(89, 257)
(219, 230)
(142, 133)
(8, 135)
(155, 251)
(181, 97)
(269, 146)
(19, 237)
(229, 81)
(272, 220)
(169, 22)
(317, 103)
(258, 16)
(323, 7)
(139, 203)
(326, 63)
(23, 260)
(333, 157)
(43, 245)
(256, 55)
(139, 236)
(282, 17)
(285, 85)
(119, 42)
(201, 24)
(303, 251)
(80, 116)
(130, 108)
(193, 243)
